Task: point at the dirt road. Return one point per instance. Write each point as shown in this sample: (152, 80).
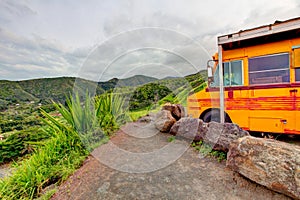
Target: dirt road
(124, 169)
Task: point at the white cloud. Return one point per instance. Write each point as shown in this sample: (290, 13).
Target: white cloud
(51, 38)
(23, 58)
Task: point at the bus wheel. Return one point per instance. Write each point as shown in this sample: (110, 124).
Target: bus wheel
(214, 115)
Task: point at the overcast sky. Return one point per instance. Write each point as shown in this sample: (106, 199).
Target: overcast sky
(103, 39)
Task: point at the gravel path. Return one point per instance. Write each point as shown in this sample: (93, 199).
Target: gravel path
(140, 163)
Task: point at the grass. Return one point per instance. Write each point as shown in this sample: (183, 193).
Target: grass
(206, 150)
(171, 138)
(135, 115)
(53, 163)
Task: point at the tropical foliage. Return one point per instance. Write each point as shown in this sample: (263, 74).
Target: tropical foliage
(21, 143)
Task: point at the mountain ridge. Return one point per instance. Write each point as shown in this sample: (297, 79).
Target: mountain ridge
(43, 90)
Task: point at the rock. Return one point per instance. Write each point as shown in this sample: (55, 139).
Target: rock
(177, 110)
(190, 128)
(268, 162)
(219, 135)
(182, 110)
(147, 118)
(164, 121)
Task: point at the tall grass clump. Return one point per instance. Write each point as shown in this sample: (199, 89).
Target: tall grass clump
(52, 163)
(110, 111)
(94, 119)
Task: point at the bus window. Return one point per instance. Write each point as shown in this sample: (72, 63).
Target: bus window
(226, 74)
(232, 74)
(236, 73)
(269, 69)
(297, 74)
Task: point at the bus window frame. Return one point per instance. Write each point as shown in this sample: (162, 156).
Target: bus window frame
(270, 70)
(216, 72)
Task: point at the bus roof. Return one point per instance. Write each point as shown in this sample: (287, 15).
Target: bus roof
(281, 29)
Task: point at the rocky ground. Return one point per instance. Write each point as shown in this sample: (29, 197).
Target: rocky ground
(140, 163)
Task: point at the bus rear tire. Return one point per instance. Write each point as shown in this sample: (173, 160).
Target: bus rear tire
(214, 115)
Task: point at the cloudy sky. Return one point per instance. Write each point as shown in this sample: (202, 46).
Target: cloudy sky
(103, 39)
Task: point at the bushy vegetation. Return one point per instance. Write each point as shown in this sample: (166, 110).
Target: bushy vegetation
(18, 123)
(19, 117)
(174, 90)
(21, 143)
(147, 95)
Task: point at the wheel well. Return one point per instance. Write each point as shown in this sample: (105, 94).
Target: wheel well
(227, 118)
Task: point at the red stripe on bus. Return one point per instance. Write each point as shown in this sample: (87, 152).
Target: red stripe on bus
(195, 108)
(291, 131)
(259, 103)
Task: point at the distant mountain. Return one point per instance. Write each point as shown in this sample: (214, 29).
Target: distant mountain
(136, 80)
(131, 81)
(169, 77)
(46, 89)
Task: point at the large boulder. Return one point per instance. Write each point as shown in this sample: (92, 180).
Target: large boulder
(189, 128)
(220, 135)
(176, 110)
(164, 121)
(268, 162)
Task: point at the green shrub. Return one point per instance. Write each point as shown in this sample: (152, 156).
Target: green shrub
(148, 95)
(20, 143)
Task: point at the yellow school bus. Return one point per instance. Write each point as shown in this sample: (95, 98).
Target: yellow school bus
(261, 80)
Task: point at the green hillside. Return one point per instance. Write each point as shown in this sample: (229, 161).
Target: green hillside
(46, 89)
(11, 92)
(170, 89)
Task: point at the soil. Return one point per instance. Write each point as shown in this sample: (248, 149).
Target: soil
(4, 170)
(111, 174)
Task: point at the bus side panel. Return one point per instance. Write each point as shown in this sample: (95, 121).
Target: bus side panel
(271, 110)
(236, 102)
